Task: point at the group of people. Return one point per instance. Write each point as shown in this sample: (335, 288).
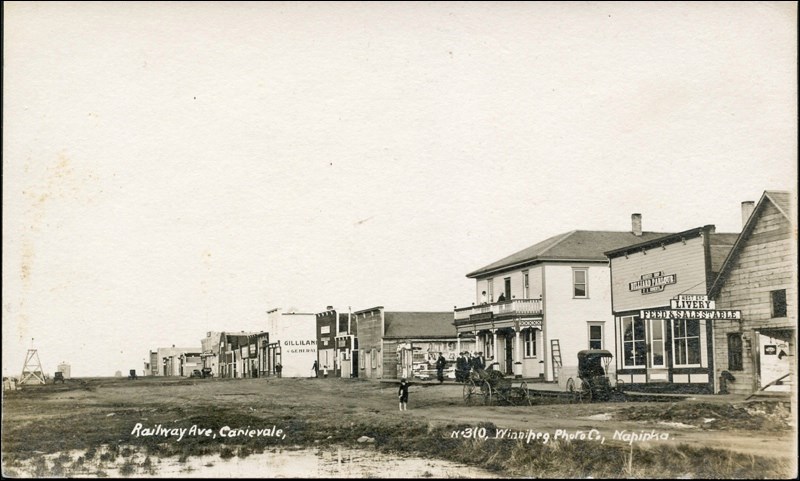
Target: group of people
(467, 363)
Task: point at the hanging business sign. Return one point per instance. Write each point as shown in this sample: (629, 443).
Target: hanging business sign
(652, 282)
(691, 306)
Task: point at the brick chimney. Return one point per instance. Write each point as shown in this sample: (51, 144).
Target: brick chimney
(329, 308)
(636, 224)
(748, 207)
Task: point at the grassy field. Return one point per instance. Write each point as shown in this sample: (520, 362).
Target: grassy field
(99, 417)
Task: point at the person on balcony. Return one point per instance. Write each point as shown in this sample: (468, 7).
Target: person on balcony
(483, 298)
(502, 297)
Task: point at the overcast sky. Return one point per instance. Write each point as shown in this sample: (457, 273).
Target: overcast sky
(174, 168)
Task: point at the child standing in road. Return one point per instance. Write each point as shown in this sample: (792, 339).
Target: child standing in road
(402, 393)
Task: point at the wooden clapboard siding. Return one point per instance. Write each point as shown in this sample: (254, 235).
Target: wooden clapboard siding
(390, 359)
(686, 261)
(762, 262)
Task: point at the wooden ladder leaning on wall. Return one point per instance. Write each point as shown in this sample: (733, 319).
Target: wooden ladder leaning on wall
(555, 354)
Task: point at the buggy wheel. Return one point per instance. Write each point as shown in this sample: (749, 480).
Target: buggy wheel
(586, 392)
(471, 392)
(486, 391)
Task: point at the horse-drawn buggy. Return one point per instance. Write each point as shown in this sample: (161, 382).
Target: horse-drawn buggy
(488, 386)
(592, 383)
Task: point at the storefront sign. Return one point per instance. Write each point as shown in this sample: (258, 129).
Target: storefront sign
(687, 314)
(691, 306)
(692, 302)
(653, 282)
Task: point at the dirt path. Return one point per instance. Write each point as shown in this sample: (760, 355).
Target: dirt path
(119, 404)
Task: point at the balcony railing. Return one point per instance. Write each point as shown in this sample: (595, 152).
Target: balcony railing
(530, 307)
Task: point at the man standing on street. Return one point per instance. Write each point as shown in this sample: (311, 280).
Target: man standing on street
(440, 363)
(462, 367)
(315, 368)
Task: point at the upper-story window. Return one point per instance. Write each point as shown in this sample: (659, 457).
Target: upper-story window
(580, 283)
(526, 291)
(490, 289)
(778, 299)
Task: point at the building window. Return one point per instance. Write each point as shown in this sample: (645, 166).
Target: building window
(530, 342)
(580, 286)
(507, 288)
(361, 359)
(657, 343)
(778, 303)
(633, 341)
(490, 289)
(735, 352)
(488, 346)
(526, 292)
(595, 336)
(686, 342)
(373, 358)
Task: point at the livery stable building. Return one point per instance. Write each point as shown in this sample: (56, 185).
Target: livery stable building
(663, 317)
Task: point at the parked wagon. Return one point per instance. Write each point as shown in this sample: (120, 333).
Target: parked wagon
(489, 387)
(593, 383)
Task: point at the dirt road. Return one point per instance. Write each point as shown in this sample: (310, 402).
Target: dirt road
(84, 414)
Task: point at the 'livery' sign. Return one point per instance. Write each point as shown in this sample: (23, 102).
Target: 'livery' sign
(691, 306)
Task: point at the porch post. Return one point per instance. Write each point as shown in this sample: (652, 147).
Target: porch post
(517, 357)
(494, 345)
(458, 342)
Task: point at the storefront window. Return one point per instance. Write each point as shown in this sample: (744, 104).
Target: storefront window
(657, 343)
(634, 344)
(687, 342)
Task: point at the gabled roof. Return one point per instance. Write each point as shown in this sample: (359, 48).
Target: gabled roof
(782, 201)
(576, 245)
(417, 325)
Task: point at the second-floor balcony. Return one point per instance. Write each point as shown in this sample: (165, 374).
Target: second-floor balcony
(514, 307)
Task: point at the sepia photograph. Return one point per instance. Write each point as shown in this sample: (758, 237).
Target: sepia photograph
(400, 239)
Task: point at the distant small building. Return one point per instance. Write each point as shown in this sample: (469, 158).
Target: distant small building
(65, 369)
(189, 362)
(396, 344)
(169, 359)
(292, 342)
(336, 341)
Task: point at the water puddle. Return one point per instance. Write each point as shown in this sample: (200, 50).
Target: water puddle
(327, 462)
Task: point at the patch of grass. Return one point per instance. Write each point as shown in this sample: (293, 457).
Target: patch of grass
(226, 453)
(127, 468)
